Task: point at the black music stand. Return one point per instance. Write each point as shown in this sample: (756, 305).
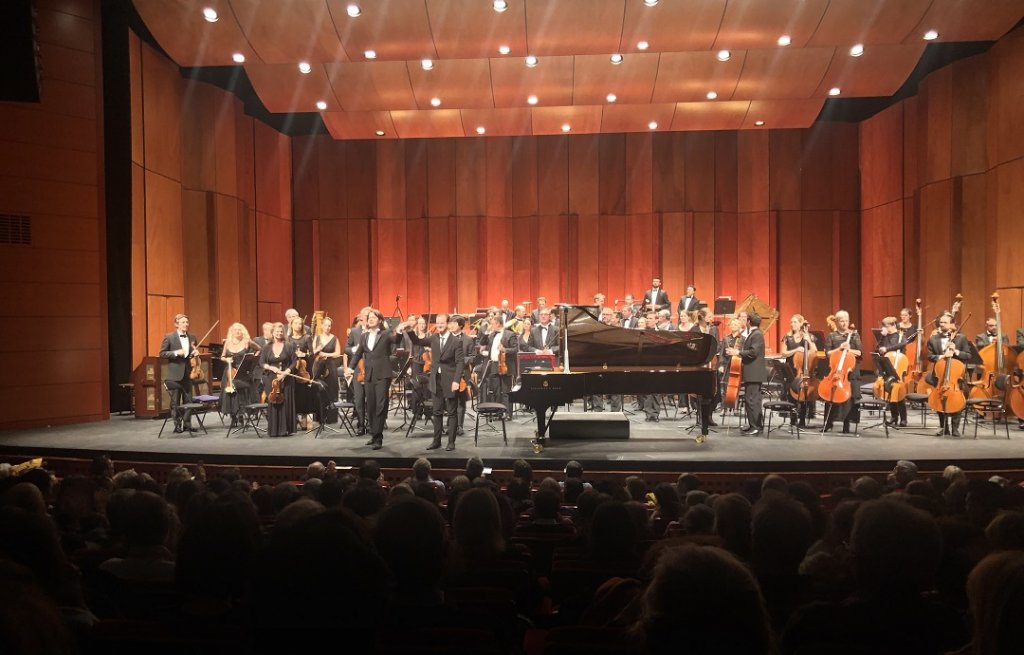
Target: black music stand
(725, 306)
(400, 382)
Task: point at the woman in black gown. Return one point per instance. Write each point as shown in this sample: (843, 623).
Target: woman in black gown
(302, 344)
(326, 353)
(277, 360)
(237, 392)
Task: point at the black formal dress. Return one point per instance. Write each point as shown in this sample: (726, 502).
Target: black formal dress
(325, 370)
(280, 416)
(178, 383)
(305, 395)
(231, 404)
(805, 409)
(496, 384)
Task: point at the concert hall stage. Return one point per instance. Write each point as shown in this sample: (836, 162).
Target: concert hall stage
(664, 446)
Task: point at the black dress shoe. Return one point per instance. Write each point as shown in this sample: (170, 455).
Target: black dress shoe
(459, 432)
(450, 446)
(361, 431)
(371, 441)
(956, 432)
(434, 446)
(827, 428)
(177, 429)
(377, 445)
(712, 423)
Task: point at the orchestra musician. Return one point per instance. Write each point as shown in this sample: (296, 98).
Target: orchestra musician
(893, 341)
(505, 313)
(664, 321)
(689, 302)
(630, 301)
(456, 326)
(754, 373)
(835, 342)
(447, 370)
(277, 360)
(290, 315)
(989, 335)
(687, 321)
(938, 348)
(799, 339)
(599, 300)
(526, 336)
(641, 323)
(261, 343)
(376, 345)
(704, 323)
(418, 378)
(906, 327)
(176, 348)
(542, 303)
(302, 343)
(358, 388)
(498, 341)
(237, 345)
(629, 318)
(326, 353)
(545, 334)
(656, 298)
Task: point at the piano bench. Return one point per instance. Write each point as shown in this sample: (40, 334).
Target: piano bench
(490, 411)
(784, 408)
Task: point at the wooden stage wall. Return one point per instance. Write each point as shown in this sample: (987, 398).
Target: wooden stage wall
(460, 223)
(210, 187)
(942, 192)
(54, 289)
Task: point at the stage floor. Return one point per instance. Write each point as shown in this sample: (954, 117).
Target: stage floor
(663, 446)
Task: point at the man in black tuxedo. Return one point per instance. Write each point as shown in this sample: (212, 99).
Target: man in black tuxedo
(447, 371)
(754, 373)
(989, 335)
(689, 302)
(355, 335)
(176, 348)
(656, 298)
(545, 334)
(498, 341)
(628, 317)
(375, 348)
(939, 347)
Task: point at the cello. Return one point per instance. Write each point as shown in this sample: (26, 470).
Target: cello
(948, 397)
(732, 389)
(915, 377)
(804, 387)
(835, 388)
(897, 388)
(923, 386)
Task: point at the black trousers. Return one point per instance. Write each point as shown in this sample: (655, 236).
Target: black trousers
(359, 400)
(445, 408)
(181, 393)
(752, 402)
(377, 406)
(898, 411)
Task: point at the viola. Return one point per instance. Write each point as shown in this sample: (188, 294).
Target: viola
(835, 388)
(276, 396)
(732, 388)
(426, 361)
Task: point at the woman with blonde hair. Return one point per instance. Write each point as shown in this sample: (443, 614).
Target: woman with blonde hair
(236, 391)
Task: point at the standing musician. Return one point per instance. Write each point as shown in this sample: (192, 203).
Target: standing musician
(938, 348)
(526, 336)
(629, 318)
(355, 336)
(376, 345)
(261, 343)
(277, 360)
(689, 302)
(656, 298)
(754, 373)
(800, 339)
(542, 303)
(505, 313)
(236, 393)
(893, 341)
(290, 315)
(498, 341)
(302, 343)
(176, 348)
(456, 326)
(989, 335)
(447, 370)
(630, 301)
(326, 353)
(835, 342)
(545, 333)
(418, 378)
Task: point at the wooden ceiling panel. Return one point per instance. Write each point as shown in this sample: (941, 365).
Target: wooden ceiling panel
(880, 71)
(183, 33)
(847, 22)
(569, 28)
(504, 121)
(637, 118)
(782, 113)
(466, 29)
(456, 82)
(709, 115)
(433, 123)
(290, 32)
(782, 73)
(632, 80)
(283, 89)
(668, 26)
(359, 124)
(688, 76)
(550, 80)
(750, 24)
(581, 119)
(373, 86)
(964, 20)
(396, 30)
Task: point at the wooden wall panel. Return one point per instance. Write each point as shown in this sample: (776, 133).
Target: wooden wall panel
(331, 169)
(1009, 218)
(416, 183)
(612, 174)
(161, 114)
(704, 274)
(975, 240)
(499, 182)
(881, 158)
(816, 301)
(164, 248)
(200, 273)
(639, 172)
(524, 234)
(470, 177)
(583, 174)
(700, 168)
(495, 247)
(611, 262)
(272, 156)
(139, 310)
(391, 262)
(784, 148)
(552, 253)
(790, 271)
(585, 242)
(726, 243)
(752, 173)
(306, 178)
(362, 170)
(332, 270)
(552, 175)
(967, 118)
(391, 170)
(440, 177)
(936, 98)
(668, 183)
(936, 221)
(522, 168)
(726, 171)
(677, 249)
(198, 113)
(469, 264)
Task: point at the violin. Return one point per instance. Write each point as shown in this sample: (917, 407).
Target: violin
(302, 369)
(732, 389)
(426, 361)
(948, 397)
(196, 374)
(276, 396)
(361, 375)
(835, 388)
(502, 365)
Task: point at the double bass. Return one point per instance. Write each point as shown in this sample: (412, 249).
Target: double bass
(835, 388)
(997, 357)
(948, 397)
(915, 376)
(735, 376)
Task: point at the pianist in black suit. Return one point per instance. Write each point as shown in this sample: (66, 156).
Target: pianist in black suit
(375, 348)
(754, 373)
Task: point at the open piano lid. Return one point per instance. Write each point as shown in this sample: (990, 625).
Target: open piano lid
(591, 343)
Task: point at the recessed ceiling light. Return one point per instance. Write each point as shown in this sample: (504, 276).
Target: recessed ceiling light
(500, 5)
(370, 54)
(321, 105)
(532, 100)
(481, 130)
(759, 123)
(834, 91)
(304, 67)
(723, 55)
(650, 3)
(642, 45)
(238, 58)
(210, 14)
(784, 40)
(611, 97)
(427, 64)
(380, 132)
(566, 127)
(531, 61)
(857, 50)
(616, 59)
(353, 10)
(931, 35)
(653, 125)
(504, 49)
(435, 102)
(712, 95)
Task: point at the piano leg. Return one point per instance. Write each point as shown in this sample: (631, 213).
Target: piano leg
(705, 418)
(543, 420)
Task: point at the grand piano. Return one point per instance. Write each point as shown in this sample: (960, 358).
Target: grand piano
(604, 359)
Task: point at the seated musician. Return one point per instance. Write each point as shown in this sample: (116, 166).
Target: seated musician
(989, 335)
(664, 323)
(704, 323)
(799, 339)
(893, 341)
(629, 318)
